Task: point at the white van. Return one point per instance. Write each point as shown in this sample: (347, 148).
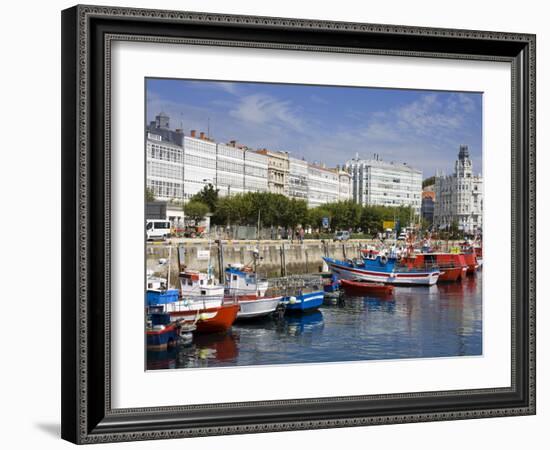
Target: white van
(341, 236)
(157, 229)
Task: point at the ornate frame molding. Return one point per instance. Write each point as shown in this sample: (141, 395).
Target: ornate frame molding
(78, 425)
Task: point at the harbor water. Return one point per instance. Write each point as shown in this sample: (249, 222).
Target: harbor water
(442, 320)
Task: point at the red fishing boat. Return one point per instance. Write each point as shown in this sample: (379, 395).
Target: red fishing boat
(470, 256)
(453, 266)
(359, 288)
(202, 302)
(478, 249)
(219, 319)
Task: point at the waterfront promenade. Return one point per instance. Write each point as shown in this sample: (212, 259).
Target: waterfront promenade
(273, 257)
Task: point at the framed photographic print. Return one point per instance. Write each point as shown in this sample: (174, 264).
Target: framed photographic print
(281, 224)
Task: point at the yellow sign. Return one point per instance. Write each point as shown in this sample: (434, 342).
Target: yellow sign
(388, 224)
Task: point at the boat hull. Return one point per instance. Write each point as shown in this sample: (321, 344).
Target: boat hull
(360, 288)
(257, 307)
(222, 321)
(162, 339)
(396, 278)
(260, 307)
(471, 262)
(303, 302)
(451, 273)
(209, 320)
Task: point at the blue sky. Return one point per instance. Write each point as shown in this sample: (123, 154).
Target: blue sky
(328, 124)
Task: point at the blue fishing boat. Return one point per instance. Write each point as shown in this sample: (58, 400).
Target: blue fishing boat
(161, 333)
(331, 283)
(382, 269)
(157, 297)
(303, 301)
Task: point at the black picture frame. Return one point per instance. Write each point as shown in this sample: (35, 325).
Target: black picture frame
(87, 416)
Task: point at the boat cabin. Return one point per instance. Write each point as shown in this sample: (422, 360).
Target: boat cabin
(195, 283)
(240, 278)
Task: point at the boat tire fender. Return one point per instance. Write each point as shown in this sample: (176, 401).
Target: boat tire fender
(384, 259)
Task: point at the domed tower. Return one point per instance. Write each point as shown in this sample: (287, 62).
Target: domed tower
(162, 121)
(463, 165)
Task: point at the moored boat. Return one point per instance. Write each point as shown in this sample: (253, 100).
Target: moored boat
(303, 301)
(162, 333)
(382, 269)
(160, 337)
(200, 302)
(452, 266)
(303, 293)
(470, 257)
(331, 284)
(361, 288)
(242, 285)
(478, 250)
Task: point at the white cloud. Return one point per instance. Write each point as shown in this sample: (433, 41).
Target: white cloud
(230, 88)
(264, 109)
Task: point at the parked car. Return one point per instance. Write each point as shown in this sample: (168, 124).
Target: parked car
(157, 229)
(341, 236)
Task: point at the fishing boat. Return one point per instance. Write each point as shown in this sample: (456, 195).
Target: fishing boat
(199, 302)
(303, 301)
(162, 333)
(203, 300)
(470, 257)
(243, 286)
(362, 288)
(452, 266)
(303, 293)
(382, 269)
(331, 284)
(478, 250)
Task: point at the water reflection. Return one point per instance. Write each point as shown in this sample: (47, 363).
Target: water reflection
(440, 320)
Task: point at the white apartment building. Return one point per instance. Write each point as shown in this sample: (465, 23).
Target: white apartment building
(376, 182)
(323, 185)
(459, 197)
(297, 178)
(164, 168)
(255, 171)
(344, 185)
(229, 169)
(200, 163)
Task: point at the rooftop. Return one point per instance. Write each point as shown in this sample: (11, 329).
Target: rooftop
(404, 167)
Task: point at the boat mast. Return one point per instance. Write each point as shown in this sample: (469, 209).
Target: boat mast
(169, 267)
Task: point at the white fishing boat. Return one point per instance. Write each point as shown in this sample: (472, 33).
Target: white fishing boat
(243, 285)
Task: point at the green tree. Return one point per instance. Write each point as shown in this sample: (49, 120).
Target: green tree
(345, 215)
(207, 195)
(295, 213)
(428, 181)
(195, 210)
(149, 195)
(315, 216)
(371, 219)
